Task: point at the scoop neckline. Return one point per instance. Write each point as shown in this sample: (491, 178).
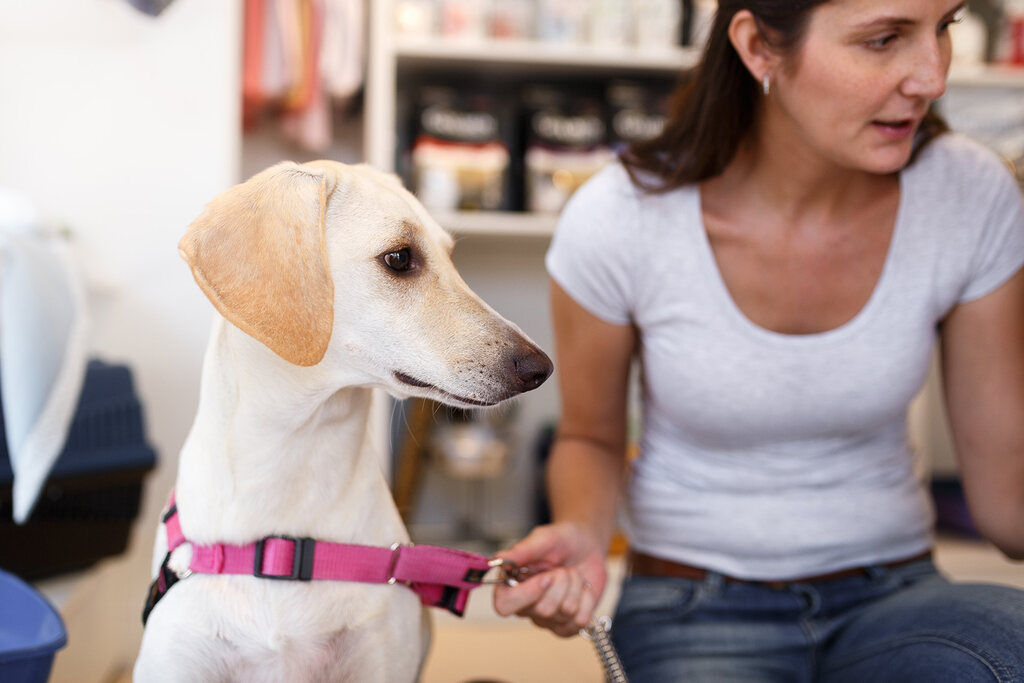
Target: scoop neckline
(740, 319)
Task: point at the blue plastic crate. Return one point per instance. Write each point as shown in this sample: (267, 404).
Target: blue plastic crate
(31, 632)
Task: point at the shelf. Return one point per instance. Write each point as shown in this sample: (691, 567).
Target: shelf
(986, 75)
(497, 223)
(538, 56)
(433, 52)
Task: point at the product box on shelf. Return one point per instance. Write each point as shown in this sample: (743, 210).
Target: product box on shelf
(520, 145)
(565, 143)
(636, 111)
(460, 150)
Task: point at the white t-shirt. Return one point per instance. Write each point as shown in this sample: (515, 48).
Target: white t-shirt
(768, 455)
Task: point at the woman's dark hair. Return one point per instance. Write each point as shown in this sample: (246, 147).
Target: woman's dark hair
(715, 105)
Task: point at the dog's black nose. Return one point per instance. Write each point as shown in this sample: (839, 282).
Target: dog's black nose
(532, 368)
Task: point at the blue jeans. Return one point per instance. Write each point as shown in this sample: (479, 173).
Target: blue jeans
(904, 624)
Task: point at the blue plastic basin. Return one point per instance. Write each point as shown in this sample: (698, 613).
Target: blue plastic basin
(31, 632)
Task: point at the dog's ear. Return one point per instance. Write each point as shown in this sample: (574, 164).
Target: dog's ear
(259, 253)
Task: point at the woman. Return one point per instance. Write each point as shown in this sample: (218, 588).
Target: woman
(779, 260)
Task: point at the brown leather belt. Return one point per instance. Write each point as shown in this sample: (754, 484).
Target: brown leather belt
(641, 564)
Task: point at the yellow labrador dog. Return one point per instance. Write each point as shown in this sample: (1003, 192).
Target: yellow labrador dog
(332, 280)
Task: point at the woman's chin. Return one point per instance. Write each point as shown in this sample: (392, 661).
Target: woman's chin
(889, 161)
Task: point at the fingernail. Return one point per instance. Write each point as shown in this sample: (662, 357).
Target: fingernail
(545, 581)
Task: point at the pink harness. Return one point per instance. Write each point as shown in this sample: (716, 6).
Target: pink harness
(442, 577)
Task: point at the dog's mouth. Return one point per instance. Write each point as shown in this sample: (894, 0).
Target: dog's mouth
(412, 381)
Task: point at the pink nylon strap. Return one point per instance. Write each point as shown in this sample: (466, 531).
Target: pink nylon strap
(442, 577)
(173, 526)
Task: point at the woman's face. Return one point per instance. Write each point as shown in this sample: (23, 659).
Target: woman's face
(856, 89)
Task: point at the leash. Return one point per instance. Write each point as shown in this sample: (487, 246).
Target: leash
(441, 577)
(598, 631)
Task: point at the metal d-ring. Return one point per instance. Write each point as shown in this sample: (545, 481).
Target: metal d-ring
(396, 549)
(511, 573)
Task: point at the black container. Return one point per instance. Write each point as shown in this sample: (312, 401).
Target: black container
(461, 142)
(92, 496)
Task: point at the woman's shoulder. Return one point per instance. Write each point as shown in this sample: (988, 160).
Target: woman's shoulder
(611, 181)
(956, 176)
(616, 197)
(959, 158)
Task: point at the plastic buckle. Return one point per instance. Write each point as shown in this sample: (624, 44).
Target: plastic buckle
(302, 562)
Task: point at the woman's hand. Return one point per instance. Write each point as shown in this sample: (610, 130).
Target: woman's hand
(565, 560)
(566, 577)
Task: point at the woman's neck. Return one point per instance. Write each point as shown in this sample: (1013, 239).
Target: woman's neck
(795, 183)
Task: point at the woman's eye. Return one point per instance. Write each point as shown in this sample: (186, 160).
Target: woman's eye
(881, 42)
(957, 18)
(399, 260)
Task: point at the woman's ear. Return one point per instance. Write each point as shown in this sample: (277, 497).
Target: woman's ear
(750, 44)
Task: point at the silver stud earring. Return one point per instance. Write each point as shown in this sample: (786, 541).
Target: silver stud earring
(766, 84)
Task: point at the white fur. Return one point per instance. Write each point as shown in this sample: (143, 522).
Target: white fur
(281, 449)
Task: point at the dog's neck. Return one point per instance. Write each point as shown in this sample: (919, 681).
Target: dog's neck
(281, 451)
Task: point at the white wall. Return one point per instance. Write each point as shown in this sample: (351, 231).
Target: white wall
(122, 127)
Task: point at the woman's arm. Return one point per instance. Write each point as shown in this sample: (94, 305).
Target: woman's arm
(586, 468)
(584, 473)
(983, 376)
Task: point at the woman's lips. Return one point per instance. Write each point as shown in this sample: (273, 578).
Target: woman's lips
(895, 130)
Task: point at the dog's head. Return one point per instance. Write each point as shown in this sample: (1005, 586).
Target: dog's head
(329, 264)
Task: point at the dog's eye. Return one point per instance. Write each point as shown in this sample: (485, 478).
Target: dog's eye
(399, 260)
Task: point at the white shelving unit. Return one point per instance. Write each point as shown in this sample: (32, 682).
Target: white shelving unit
(390, 54)
(986, 75)
(498, 223)
(538, 56)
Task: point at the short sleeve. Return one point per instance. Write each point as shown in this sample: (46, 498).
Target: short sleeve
(999, 249)
(592, 252)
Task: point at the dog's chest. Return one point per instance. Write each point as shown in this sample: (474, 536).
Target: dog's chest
(312, 631)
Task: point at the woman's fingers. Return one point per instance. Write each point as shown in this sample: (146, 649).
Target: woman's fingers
(547, 607)
(556, 595)
(516, 599)
(576, 610)
(573, 600)
(541, 547)
(560, 600)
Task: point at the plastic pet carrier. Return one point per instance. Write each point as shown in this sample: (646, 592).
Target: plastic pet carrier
(92, 495)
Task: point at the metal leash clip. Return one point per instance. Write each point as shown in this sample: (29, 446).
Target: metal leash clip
(509, 573)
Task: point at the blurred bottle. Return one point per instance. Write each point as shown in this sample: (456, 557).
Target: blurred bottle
(512, 19)
(463, 19)
(415, 17)
(656, 23)
(562, 21)
(969, 40)
(610, 22)
(1010, 48)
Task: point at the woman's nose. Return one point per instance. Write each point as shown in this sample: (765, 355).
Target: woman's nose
(927, 77)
